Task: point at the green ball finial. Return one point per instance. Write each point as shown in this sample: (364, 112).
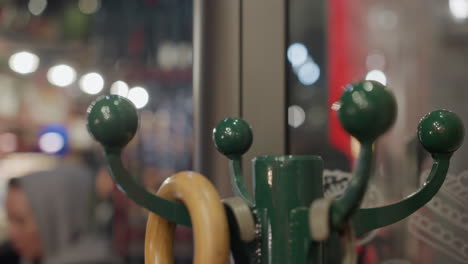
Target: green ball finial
(441, 131)
(232, 136)
(366, 110)
(112, 120)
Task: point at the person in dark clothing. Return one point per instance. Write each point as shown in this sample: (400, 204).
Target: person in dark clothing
(8, 255)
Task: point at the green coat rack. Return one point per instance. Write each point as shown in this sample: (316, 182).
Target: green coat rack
(275, 224)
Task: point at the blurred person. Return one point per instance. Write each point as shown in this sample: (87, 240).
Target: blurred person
(49, 218)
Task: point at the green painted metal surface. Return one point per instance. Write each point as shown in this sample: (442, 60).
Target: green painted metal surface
(372, 218)
(303, 249)
(282, 184)
(233, 137)
(112, 121)
(237, 180)
(285, 186)
(366, 110)
(441, 133)
(345, 206)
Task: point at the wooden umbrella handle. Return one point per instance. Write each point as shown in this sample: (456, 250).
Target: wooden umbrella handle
(209, 222)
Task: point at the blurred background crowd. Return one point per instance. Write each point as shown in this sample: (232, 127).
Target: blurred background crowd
(56, 57)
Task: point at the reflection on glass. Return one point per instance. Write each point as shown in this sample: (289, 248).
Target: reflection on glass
(416, 47)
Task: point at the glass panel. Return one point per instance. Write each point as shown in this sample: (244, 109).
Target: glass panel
(56, 57)
(418, 48)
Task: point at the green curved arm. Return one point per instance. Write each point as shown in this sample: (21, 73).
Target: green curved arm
(371, 218)
(113, 121)
(233, 137)
(366, 110)
(441, 133)
(345, 206)
(172, 211)
(237, 181)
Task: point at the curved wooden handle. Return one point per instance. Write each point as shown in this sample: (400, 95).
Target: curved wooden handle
(209, 222)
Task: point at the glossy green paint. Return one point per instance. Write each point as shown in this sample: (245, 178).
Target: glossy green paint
(303, 249)
(369, 219)
(237, 180)
(233, 137)
(172, 211)
(345, 206)
(441, 131)
(366, 110)
(282, 184)
(285, 186)
(112, 121)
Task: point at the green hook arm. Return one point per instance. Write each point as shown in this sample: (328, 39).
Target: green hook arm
(172, 211)
(441, 133)
(113, 121)
(233, 137)
(345, 206)
(237, 180)
(366, 111)
(371, 218)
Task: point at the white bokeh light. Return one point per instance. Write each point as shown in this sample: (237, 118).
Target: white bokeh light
(308, 73)
(36, 7)
(459, 9)
(377, 75)
(92, 83)
(61, 75)
(139, 96)
(296, 116)
(89, 6)
(297, 54)
(23, 62)
(119, 88)
(51, 142)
